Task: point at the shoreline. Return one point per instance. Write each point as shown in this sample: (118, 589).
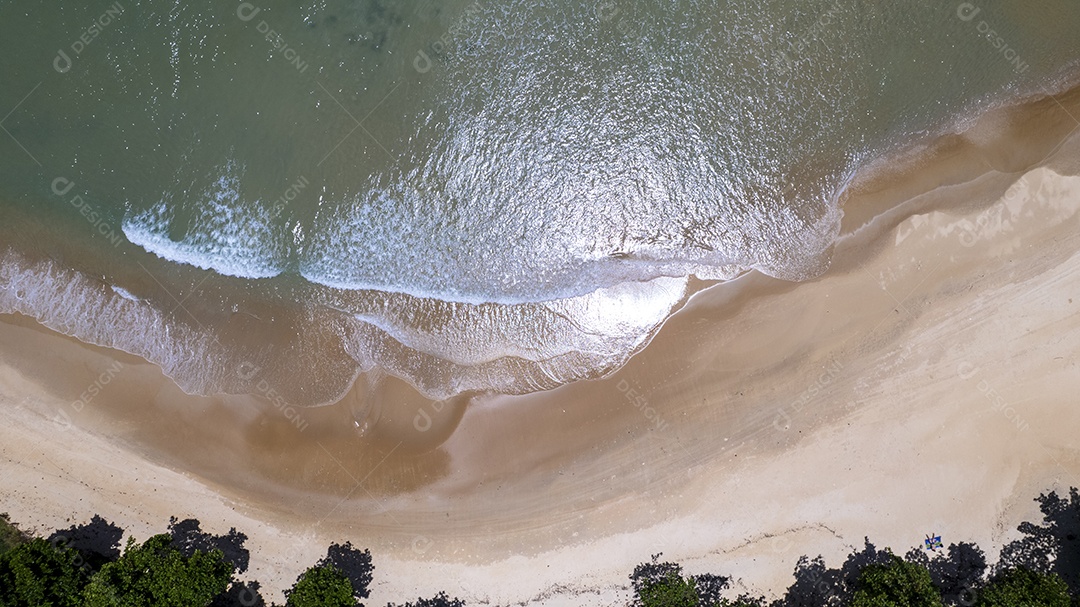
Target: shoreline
(256, 331)
(925, 303)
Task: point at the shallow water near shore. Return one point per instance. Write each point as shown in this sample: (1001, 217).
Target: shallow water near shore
(700, 363)
(938, 348)
(507, 247)
(732, 425)
(271, 199)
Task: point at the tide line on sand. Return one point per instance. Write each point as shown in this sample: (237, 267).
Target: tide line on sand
(924, 382)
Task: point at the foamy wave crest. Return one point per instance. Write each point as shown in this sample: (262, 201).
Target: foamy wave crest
(488, 246)
(606, 322)
(310, 354)
(227, 234)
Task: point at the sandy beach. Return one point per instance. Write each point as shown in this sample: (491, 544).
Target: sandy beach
(924, 383)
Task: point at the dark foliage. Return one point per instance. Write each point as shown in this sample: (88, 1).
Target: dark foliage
(745, 600)
(10, 536)
(897, 582)
(156, 574)
(1022, 587)
(354, 563)
(815, 585)
(439, 600)
(36, 573)
(710, 588)
(323, 585)
(188, 538)
(958, 574)
(672, 591)
(83, 566)
(652, 572)
(854, 565)
(240, 594)
(1053, 546)
(819, 586)
(648, 578)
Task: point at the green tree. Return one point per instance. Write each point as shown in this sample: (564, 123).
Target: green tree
(671, 591)
(156, 574)
(895, 584)
(1021, 587)
(323, 585)
(38, 574)
(10, 536)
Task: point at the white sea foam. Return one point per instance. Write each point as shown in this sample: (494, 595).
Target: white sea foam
(122, 292)
(228, 235)
(540, 195)
(443, 348)
(607, 322)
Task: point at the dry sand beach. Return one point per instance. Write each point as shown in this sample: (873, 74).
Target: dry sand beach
(925, 383)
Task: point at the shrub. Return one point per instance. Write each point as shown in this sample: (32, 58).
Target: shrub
(896, 583)
(1021, 587)
(321, 586)
(37, 574)
(10, 536)
(156, 574)
(672, 591)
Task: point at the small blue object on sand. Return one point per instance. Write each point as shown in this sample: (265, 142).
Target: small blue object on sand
(933, 542)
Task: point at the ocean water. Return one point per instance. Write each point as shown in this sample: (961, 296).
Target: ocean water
(502, 195)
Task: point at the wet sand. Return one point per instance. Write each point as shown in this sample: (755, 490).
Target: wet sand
(924, 383)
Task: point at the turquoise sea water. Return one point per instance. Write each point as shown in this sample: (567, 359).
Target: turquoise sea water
(470, 195)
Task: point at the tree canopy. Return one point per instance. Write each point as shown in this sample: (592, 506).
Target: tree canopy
(39, 574)
(897, 583)
(10, 536)
(671, 591)
(1021, 587)
(83, 566)
(157, 574)
(321, 586)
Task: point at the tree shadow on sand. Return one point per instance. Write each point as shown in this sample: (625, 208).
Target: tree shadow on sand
(355, 563)
(187, 537)
(240, 594)
(1054, 546)
(98, 542)
(819, 586)
(957, 573)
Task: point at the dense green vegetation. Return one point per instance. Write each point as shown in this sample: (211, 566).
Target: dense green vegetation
(1041, 569)
(10, 536)
(895, 583)
(156, 573)
(672, 591)
(38, 573)
(83, 566)
(1020, 586)
(321, 586)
